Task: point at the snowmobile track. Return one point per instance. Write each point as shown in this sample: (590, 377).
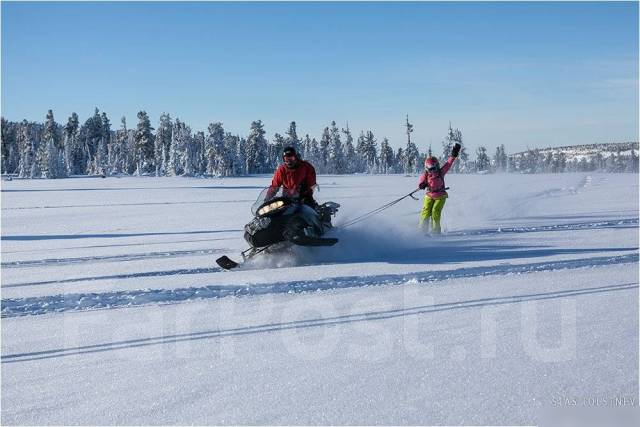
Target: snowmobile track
(326, 321)
(13, 307)
(109, 258)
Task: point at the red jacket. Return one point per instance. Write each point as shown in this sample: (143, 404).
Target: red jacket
(301, 178)
(435, 180)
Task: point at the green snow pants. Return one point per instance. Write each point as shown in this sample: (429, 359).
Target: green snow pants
(432, 208)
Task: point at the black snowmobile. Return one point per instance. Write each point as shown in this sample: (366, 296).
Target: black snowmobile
(281, 217)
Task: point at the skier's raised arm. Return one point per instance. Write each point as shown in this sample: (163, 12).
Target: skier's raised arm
(452, 158)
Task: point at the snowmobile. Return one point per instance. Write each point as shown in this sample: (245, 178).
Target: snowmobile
(281, 217)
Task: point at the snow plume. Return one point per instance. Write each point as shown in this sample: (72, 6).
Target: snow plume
(375, 240)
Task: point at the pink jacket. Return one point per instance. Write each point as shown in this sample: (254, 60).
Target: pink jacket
(435, 180)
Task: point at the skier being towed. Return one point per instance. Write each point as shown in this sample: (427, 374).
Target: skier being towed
(433, 180)
(295, 175)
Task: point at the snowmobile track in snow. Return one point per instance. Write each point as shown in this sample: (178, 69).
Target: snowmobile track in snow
(12, 307)
(163, 273)
(109, 258)
(617, 223)
(309, 323)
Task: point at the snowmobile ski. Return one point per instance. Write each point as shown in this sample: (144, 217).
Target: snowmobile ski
(226, 263)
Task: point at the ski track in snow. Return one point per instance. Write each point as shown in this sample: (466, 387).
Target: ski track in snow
(309, 323)
(176, 272)
(621, 223)
(110, 258)
(13, 307)
(171, 242)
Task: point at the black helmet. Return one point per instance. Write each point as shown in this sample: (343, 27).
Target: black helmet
(289, 151)
(290, 157)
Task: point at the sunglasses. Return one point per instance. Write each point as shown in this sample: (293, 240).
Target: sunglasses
(289, 156)
(432, 168)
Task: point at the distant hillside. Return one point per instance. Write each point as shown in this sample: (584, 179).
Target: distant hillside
(609, 157)
(605, 149)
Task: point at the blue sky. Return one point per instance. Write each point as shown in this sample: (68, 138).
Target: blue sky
(521, 74)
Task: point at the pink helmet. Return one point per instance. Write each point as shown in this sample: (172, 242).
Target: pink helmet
(431, 163)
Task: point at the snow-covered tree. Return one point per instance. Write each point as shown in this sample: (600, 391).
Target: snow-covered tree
(74, 151)
(325, 141)
(291, 138)
(399, 159)
(241, 165)
(199, 141)
(256, 149)
(119, 152)
(483, 163)
(305, 148)
(315, 155)
(336, 158)
(632, 162)
(54, 165)
(455, 136)
(162, 144)
(104, 146)
(620, 163)
(41, 165)
(361, 153)
(176, 152)
(371, 152)
(387, 157)
(461, 164)
(276, 150)
(229, 160)
(90, 136)
(500, 159)
(532, 161)
(447, 145)
(214, 147)
(190, 165)
(411, 158)
(144, 144)
(559, 163)
(350, 156)
(27, 143)
(10, 153)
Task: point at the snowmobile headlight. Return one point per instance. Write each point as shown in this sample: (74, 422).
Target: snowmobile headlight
(270, 207)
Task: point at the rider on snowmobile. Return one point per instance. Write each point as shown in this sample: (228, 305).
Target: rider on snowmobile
(295, 175)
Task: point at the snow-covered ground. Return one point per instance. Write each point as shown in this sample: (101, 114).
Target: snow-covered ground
(114, 312)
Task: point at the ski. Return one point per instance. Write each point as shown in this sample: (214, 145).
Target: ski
(227, 263)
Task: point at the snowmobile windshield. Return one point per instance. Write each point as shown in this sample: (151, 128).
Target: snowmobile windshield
(273, 193)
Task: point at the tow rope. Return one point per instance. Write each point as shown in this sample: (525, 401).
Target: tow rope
(378, 210)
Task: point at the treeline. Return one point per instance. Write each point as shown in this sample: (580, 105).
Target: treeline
(52, 150)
